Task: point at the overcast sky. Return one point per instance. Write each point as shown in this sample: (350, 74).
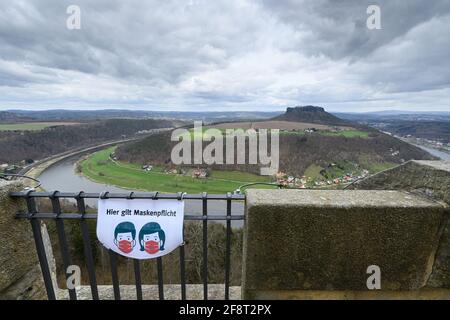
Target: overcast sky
(225, 55)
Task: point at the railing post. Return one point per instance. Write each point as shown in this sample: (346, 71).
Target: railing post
(40, 248)
(67, 261)
(87, 246)
(205, 245)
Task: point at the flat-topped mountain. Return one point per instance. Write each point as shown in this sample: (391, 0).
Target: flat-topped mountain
(311, 114)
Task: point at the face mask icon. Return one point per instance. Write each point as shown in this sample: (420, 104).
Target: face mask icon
(125, 246)
(124, 236)
(152, 247)
(152, 238)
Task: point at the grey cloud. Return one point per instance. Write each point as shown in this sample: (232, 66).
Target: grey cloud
(338, 28)
(237, 54)
(133, 40)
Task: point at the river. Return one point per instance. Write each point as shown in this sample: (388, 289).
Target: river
(62, 177)
(437, 153)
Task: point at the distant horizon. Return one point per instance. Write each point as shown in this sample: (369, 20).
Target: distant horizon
(224, 111)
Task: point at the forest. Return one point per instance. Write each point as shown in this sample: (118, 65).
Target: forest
(297, 152)
(19, 145)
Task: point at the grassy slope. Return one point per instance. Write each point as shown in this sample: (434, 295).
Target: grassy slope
(347, 133)
(353, 133)
(100, 168)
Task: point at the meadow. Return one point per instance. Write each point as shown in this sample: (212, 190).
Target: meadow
(101, 168)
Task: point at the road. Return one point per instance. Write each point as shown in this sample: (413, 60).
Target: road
(46, 162)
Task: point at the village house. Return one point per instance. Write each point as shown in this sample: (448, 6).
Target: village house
(147, 167)
(171, 171)
(199, 174)
(310, 130)
(280, 175)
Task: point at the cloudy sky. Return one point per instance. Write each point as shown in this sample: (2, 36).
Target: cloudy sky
(195, 55)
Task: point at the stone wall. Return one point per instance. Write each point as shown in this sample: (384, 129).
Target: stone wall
(319, 243)
(20, 273)
(427, 178)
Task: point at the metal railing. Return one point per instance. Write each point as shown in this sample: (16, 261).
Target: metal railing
(34, 216)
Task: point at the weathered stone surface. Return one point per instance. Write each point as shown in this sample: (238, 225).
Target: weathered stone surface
(19, 277)
(421, 294)
(428, 178)
(326, 239)
(150, 292)
(29, 287)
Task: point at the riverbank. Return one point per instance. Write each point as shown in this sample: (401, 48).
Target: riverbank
(100, 168)
(37, 168)
(61, 176)
(439, 153)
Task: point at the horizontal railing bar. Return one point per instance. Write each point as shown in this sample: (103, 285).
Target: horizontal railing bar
(135, 195)
(94, 216)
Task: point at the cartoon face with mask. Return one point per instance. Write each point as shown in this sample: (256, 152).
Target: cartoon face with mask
(124, 236)
(152, 238)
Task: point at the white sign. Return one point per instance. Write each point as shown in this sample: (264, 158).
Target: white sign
(140, 228)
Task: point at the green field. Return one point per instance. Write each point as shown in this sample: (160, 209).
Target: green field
(99, 167)
(347, 133)
(367, 162)
(353, 133)
(34, 126)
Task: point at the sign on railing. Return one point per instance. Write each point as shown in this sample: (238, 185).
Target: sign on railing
(140, 228)
(148, 231)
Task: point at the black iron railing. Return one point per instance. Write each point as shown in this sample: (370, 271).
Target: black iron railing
(35, 216)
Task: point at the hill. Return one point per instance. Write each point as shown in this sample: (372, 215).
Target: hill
(90, 115)
(433, 130)
(276, 124)
(52, 140)
(311, 114)
(312, 143)
(329, 155)
(393, 116)
(11, 117)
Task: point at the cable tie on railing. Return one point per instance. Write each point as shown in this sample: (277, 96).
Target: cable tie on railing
(55, 203)
(28, 199)
(27, 194)
(131, 195)
(78, 196)
(104, 195)
(80, 204)
(180, 195)
(155, 195)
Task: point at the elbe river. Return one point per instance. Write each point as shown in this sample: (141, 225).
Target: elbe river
(62, 177)
(440, 154)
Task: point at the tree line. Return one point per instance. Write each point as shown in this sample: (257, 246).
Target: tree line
(20, 145)
(297, 152)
